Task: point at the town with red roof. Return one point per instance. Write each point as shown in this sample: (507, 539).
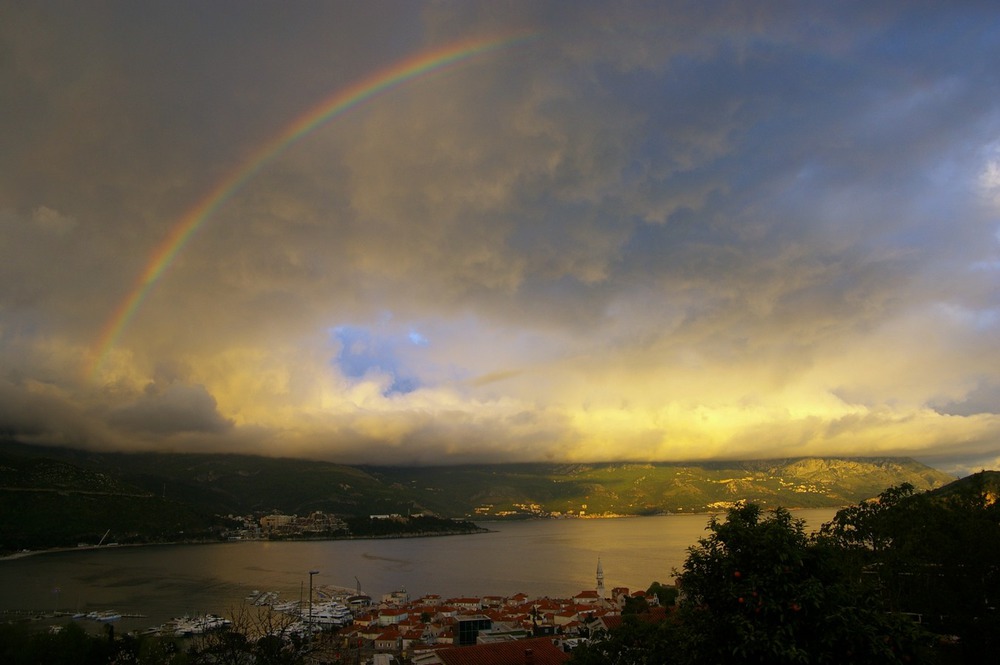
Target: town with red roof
(487, 630)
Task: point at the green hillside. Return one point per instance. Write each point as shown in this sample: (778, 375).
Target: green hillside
(642, 489)
(220, 483)
(61, 496)
(240, 484)
(50, 503)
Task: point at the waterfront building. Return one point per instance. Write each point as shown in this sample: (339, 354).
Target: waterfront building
(275, 522)
(399, 597)
(392, 616)
(466, 604)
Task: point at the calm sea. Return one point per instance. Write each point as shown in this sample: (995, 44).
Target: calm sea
(556, 558)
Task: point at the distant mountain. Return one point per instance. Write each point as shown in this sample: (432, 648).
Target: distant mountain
(61, 496)
(509, 490)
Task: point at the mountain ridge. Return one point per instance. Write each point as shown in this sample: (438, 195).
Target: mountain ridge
(148, 496)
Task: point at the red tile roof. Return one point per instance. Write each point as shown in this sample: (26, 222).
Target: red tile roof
(612, 622)
(543, 652)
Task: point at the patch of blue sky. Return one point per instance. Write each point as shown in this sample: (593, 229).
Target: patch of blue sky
(363, 351)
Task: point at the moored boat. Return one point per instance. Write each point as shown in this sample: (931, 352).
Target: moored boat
(104, 615)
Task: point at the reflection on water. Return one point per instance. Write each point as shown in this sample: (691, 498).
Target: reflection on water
(539, 558)
(375, 557)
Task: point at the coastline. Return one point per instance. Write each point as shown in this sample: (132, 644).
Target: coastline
(89, 548)
(423, 534)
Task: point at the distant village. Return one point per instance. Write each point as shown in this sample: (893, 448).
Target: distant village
(317, 524)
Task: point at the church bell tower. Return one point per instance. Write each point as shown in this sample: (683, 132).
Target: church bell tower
(600, 578)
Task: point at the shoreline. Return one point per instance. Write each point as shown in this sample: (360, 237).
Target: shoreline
(90, 548)
(429, 534)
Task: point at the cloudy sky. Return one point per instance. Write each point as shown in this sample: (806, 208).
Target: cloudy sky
(529, 231)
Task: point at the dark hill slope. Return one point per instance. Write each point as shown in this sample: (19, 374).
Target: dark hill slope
(979, 489)
(231, 484)
(60, 496)
(49, 503)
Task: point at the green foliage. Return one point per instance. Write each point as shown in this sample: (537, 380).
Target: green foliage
(22, 644)
(424, 525)
(638, 641)
(871, 525)
(635, 606)
(666, 595)
(758, 590)
(931, 555)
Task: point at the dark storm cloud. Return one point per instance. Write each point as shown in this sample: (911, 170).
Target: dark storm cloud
(654, 230)
(175, 408)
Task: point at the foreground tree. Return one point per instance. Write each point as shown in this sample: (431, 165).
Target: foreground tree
(640, 640)
(257, 636)
(665, 595)
(758, 590)
(24, 644)
(932, 556)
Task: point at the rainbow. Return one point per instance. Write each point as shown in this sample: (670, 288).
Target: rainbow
(423, 63)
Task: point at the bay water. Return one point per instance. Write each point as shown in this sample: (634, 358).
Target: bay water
(555, 558)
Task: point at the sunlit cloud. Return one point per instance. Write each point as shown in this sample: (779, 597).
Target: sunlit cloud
(654, 232)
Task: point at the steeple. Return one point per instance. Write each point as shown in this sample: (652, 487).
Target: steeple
(600, 578)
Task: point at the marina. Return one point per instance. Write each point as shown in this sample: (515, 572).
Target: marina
(328, 611)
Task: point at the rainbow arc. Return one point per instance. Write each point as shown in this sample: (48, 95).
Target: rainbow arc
(422, 64)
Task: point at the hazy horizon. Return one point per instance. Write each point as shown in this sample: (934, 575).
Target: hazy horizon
(423, 233)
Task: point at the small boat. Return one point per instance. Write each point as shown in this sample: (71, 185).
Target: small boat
(290, 607)
(299, 628)
(105, 616)
(183, 626)
(266, 598)
(190, 626)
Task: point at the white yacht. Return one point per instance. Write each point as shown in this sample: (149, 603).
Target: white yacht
(329, 614)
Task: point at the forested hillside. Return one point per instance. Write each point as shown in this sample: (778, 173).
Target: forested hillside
(61, 497)
(643, 489)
